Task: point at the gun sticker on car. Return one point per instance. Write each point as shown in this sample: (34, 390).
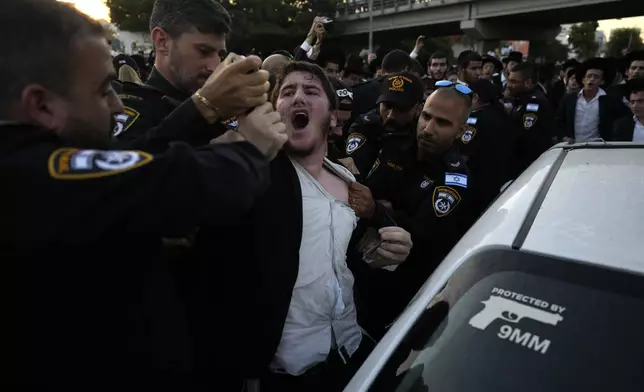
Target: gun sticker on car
(512, 307)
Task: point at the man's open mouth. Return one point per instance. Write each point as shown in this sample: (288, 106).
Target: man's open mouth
(300, 118)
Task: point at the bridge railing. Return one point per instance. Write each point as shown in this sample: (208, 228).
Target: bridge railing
(350, 9)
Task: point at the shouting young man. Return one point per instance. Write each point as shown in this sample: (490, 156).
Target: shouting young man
(294, 319)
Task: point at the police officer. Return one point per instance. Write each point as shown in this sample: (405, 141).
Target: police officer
(367, 93)
(87, 294)
(487, 142)
(423, 189)
(391, 125)
(531, 115)
(189, 40)
(339, 130)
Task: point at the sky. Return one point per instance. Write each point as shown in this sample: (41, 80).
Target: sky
(98, 10)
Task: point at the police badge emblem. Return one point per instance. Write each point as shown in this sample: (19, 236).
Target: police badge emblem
(468, 135)
(445, 200)
(124, 120)
(354, 142)
(529, 119)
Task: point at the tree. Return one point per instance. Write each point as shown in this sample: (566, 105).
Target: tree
(548, 50)
(263, 25)
(131, 15)
(582, 39)
(624, 39)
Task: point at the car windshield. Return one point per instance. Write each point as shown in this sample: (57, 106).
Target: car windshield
(525, 323)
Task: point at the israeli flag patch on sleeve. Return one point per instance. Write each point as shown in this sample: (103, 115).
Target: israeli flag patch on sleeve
(472, 120)
(532, 107)
(456, 179)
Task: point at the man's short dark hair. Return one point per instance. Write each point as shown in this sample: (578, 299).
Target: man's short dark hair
(313, 69)
(396, 61)
(176, 17)
(438, 55)
(527, 71)
(465, 58)
(42, 50)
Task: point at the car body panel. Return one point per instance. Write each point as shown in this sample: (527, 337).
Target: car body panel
(497, 228)
(593, 211)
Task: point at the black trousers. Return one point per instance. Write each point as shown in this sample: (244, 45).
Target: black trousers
(330, 376)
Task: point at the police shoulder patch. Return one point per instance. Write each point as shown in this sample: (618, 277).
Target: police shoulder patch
(529, 119)
(125, 120)
(354, 142)
(468, 134)
(445, 199)
(76, 164)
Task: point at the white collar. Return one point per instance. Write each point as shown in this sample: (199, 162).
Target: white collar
(600, 93)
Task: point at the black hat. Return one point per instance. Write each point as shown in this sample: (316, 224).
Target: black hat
(570, 63)
(596, 63)
(498, 66)
(402, 89)
(634, 85)
(514, 56)
(344, 94)
(486, 90)
(121, 60)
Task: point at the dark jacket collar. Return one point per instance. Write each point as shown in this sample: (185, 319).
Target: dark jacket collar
(162, 84)
(15, 135)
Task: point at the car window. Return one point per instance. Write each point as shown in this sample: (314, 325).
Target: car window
(523, 328)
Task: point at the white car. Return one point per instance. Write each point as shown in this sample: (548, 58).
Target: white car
(544, 293)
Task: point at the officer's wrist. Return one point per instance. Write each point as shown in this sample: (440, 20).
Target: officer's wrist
(207, 110)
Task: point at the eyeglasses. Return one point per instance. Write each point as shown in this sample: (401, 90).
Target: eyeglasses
(461, 88)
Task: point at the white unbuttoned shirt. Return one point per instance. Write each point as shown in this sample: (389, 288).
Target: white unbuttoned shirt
(322, 314)
(638, 132)
(587, 117)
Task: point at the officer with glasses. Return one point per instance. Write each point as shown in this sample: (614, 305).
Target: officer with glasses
(424, 188)
(390, 126)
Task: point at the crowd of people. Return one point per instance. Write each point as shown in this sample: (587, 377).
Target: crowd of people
(207, 221)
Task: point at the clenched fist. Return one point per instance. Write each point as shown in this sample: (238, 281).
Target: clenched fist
(395, 246)
(361, 200)
(263, 127)
(236, 87)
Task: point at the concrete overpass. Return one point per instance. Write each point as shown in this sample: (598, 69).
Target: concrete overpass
(480, 19)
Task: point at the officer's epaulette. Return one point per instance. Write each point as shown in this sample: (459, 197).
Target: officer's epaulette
(371, 118)
(455, 162)
(140, 91)
(133, 92)
(367, 82)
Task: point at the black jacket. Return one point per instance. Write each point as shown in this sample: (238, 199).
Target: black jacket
(367, 137)
(487, 143)
(610, 109)
(147, 105)
(251, 289)
(556, 93)
(366, 95)
(90, 300)
(623, 129)
(435, 210)
(533, 121)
